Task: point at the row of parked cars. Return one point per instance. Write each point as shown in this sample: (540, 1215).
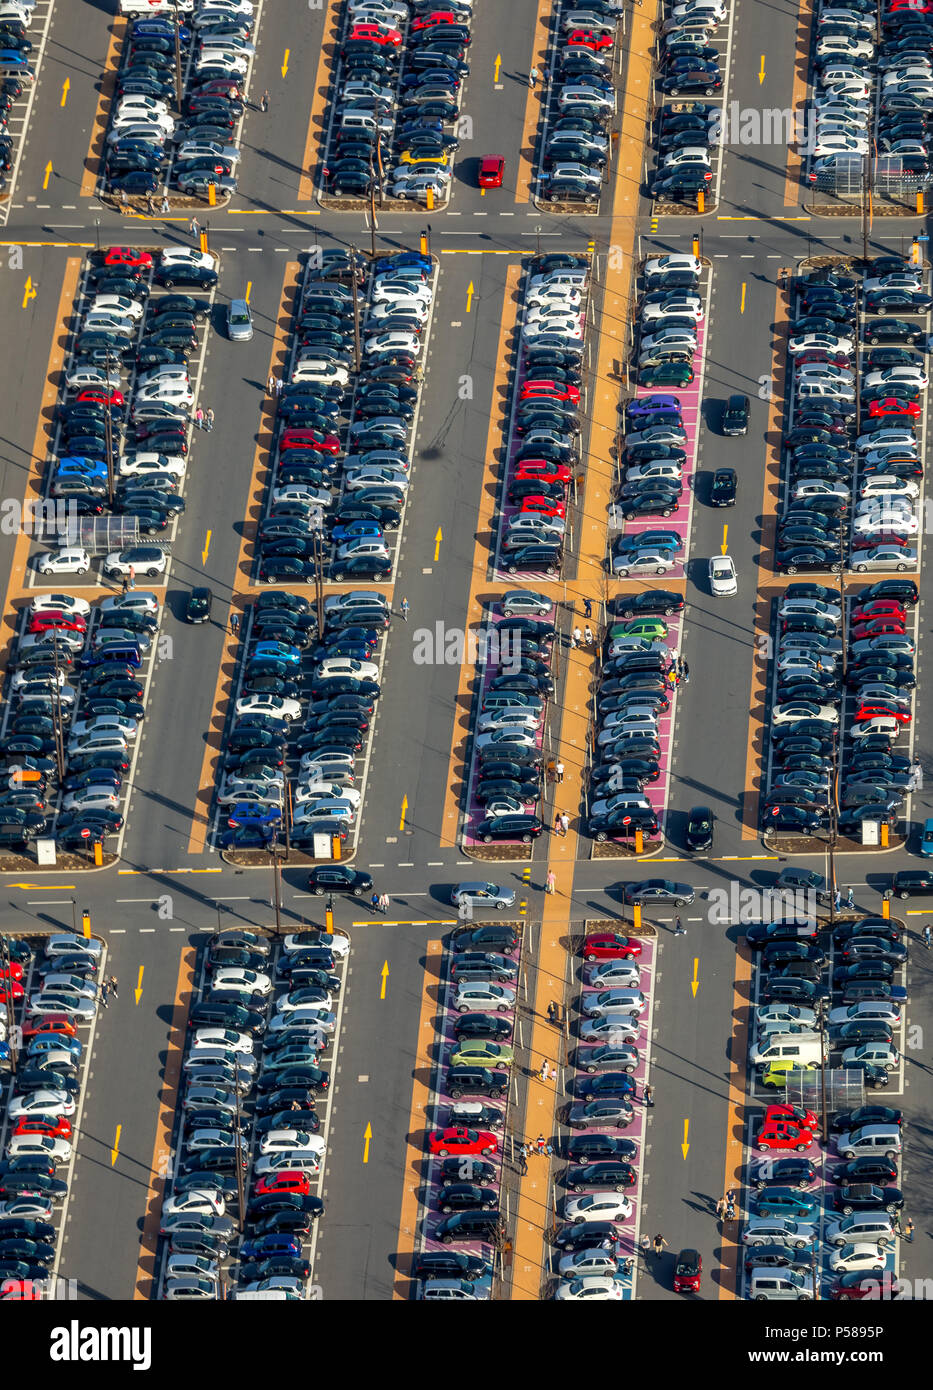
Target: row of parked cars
(813, 691)
(819, 1006)
(542, 447)
(258, 1032)
(124, 422)
(76, 688)
(302, 716)
(344, 436)
(18, 74)
(580, 101)
(148, 148)
(691, 58)
(516, 684)
(832, 434)
(63, 974)
(397, 94)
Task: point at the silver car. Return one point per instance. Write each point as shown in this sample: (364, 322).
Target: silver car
(239, 321)
(488, 895)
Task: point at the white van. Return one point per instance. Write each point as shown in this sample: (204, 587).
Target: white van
(869, 1139)
(803, 1049)
(145, 9)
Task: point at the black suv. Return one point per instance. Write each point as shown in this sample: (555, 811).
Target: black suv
(735, 415)
(476, 1081)
(470, 1225)
(494, 937)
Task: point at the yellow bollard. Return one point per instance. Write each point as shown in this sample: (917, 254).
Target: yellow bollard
(919, 202)
(329, 920)
(204, 241)
(701, 200)
(98, 853)
(639, 842)
(335, 846)
(636, 918)
(429, 196)
(212, 194)
(424, 244)
(886, 908)
(884, 836)
(86, 921)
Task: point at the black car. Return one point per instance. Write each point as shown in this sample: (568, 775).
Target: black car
(867, 1196)
(339, 878)
(784, 1172)
(510, 827)
(735, 415)
(587, 1235)
(466, 1196)
(699, 830)
(494, 936)
(484, 1226)
(873, 1169)
(649, 601)
(476, 1081)
(723, 487)
(447, 1264)
(490, 1026)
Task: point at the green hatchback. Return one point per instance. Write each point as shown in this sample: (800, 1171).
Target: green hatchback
(652, 629)
(479, 1053)
(666, 374)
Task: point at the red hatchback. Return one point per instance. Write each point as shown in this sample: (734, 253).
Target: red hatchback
(98, 397)
(491, 170)
(688, 1271)
(877, 627)
(585, 38)
(127, 255)
(610, 945)
(376, 33)
(288, 1180)
(551, 390)
(50, 620)
(433, 19)
(893, 405)
(543, 506)
(461, 1141)
(783, 1134)
(14, 970)
(544, 470)
(49, 1023)
(310, 439)
(879, 608)
(59, 1128)
(808, 1118)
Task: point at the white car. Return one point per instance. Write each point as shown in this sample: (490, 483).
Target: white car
(393, 291)
(803, 709)
(315, 791)
(690, 155)
(888, 485)
(217, 9)
(885, 519)
(880, 1054)
(844, 46)
(821, 342)
(857, 1255)
(291, 1141)
(37, 1104)
(347, 666)
(277, 706)
(658, 469)
(893, 439)
(722, 576)
(598, 1206)
(612, 974)
(676, 261)
(197, 1202)
(817, 488)
(569, 328)
(500, 719)
(60, 603)
(417, 308)
(71, 560)
(39, 1146)
(119, 724)
(318, 369)
(887, 728)
(566, 297)
(288, 1161)
(393, 342)
(684, 306)
(223, 1037)
(484, 997)
(249, 981)
(117, 304)
(602, 1288)
(809, 607)
(897, 376)
(186, 255)
(135, 465)
(168, 392)
(117, 563)
(588, 1262)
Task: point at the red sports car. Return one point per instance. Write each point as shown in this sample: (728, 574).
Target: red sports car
(881, 1285)
(461, 1141)
(543, 506)
(310, 439)
(49, 1023)
(382, 34)
(610, 945)
(551, 390)
(893, 405)
(816, 355)
(59, 1128)
(433, 19)
(585, 38)
(287, 1180)
(543, 470)
(491, 170)
(17, 991)
(127, 255)
(879, 608)
(864, 712)
(14, 970)
(808, 1118)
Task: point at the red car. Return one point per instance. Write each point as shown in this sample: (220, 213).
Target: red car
(585, 38)
(784, 1134)
(491, 170)
(127, 255)
(59, 1128)
(816, 355)
(877, 627)
(864, 712)
(461, 1141)
(288, 1180)
(881, 1285)
(916, 6)
(376, 33)
(543, 506)
(99, 397)
(310, 439)
(14, 970)
(50, 620)
(551, 390)
(688, 1271)
(16, 989)
(544, 470)
(893, 405)
(49, 1023)
(808, 1118)
(610, 945)
(434, 18)
(879, 608)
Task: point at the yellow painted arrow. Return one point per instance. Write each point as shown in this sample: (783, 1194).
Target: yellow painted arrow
(48, 175)
(761, 74)
(249, 286)
(469, 296)
(139, 984)
(116, 1146)
(367, 1135)
(684, 1148)
(66, 86)
(285, 61)
(384, 975)
(742, 300)
(725, 532)
(39, 885)
(28, 292)
(437, 543)
(207, 546)
(401, 824)
(496, 66)
(695, 982)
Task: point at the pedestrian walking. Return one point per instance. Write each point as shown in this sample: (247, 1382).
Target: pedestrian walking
(645, 1244)
(384, 903)
(730, 1197)
(542, 1071)
(720, 1207)
(685, 672)
(166, 205)
(375, 902)
(837, 900)
(150, 204)
(549, 1150)
(199, 418)
(588, 636)
(850, 899)
(659, 1243)
(104, 988)
(125, 586)
(523, 1160)
(564, 822)
(730, 1211)
(271, 384)
(406, 606)
(209, 419)
(557, 822)
(559, 771)
(908, 1229)
(113, 986)
(672, 678)
(649, 1096)
(587, 608)
(679, 928)
(234, 624)
(264, 102)
(552, 1074)
(194, 228)
(552, 1012)
(576, 637)
(550, 882)
(279, 386)
(628, 1266)
(917, 774)
(928, 936)
(132, 576)
(533, 78)
(539, 1143)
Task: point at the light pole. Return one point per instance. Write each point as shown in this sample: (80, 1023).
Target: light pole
(177, 33)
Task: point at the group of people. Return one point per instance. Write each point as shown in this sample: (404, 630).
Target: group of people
(584, 638)
(725, 1207)
(677, 671)
(540, 1146)
(275, 385)
(108, 986)
(561, 823)
(204, 419)
(129, 582)
(379, 902)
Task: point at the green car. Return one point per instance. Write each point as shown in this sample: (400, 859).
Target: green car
(668, 374)
(477, 1053)
(650, 628)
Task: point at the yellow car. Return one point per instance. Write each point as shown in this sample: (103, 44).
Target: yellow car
(776, 1073)
(412, 157)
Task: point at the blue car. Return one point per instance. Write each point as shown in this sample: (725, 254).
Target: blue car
(160, 29)
(267, 1246)
(4, 1052)
(74, 463)
(407, 258)
(786, 1201)
(648, 404)
(57, 1043)
(253, 815)
(277, 651)
(926, 839)
(13, 58)
(371, 529)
